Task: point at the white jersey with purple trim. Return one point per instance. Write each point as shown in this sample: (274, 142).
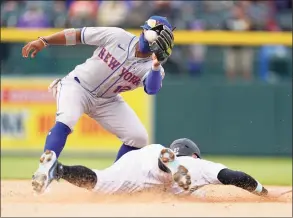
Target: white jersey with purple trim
(135, 171)
(113, 68)
(202, 173)
(138, 170)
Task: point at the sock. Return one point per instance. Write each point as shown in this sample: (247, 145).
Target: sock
(123, 150)
(77, 175)
(56, 138)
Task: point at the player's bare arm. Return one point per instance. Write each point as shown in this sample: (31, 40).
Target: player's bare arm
(65, 37)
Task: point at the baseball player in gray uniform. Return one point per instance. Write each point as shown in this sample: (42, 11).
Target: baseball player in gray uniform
(121, 62)
(179, 170)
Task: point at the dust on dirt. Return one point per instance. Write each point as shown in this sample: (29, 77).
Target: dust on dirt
(63, 199)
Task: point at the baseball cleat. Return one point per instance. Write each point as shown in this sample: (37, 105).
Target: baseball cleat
(179, 172)
(46, 171)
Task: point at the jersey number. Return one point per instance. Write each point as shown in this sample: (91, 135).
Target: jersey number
(122, 89)
(176, 151)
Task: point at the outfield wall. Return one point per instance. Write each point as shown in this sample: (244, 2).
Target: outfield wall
(223, 118)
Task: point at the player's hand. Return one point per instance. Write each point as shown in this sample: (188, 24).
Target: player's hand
(164, 44)
(34, 47)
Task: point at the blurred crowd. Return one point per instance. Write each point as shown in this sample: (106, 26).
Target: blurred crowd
(254, 15)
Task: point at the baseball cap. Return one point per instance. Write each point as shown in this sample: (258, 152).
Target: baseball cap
(156, 20)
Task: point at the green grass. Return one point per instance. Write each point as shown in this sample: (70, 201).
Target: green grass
(23, 168)
(269, 171)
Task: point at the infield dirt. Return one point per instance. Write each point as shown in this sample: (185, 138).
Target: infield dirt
(63, 199)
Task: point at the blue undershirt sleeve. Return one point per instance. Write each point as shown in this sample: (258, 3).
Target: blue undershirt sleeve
(153, 81)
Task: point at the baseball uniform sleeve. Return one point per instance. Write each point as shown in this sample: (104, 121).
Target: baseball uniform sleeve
(147, 74)
(211, 171)
(98, 36)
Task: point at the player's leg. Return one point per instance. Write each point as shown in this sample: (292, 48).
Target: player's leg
(119, 118)
(71, 104)
(79, 176)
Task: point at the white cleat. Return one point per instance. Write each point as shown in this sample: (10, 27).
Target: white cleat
(179, 172)
(46, 172)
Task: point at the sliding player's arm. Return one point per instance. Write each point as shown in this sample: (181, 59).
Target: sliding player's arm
(241, 180)
(247, 182)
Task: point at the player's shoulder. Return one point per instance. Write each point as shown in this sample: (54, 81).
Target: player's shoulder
(157, 145)
(118, 31)
(154, 147)
(126, 32)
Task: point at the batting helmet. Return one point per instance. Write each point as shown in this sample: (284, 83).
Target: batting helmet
(154, 21)
(185, 147)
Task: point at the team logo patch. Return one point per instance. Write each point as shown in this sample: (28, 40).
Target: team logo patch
(176, 150)
(152, 23)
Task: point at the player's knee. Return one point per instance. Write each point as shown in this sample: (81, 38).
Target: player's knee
(137, 138)
(68, 119)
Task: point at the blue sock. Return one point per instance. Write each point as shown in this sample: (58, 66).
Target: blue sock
(123, 150)
(56, 138)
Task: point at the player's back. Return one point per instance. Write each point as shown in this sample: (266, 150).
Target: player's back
(202, 172)
(135, 171)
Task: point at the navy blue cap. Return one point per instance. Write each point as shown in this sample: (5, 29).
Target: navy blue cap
(155, 21)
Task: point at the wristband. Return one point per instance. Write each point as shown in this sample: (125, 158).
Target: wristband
(70, 36)
(258, 188)
(44, 41)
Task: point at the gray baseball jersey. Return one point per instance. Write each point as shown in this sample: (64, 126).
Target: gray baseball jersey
(138, 170)
(93, 87)
(113, 68)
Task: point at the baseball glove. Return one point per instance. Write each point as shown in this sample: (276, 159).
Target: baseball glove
(163, 45)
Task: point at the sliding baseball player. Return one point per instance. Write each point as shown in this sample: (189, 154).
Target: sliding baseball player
(179, 170)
